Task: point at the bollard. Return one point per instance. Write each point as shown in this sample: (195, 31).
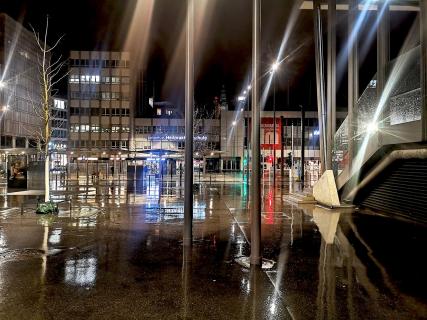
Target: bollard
(22, 208)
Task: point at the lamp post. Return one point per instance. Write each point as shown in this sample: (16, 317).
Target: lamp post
(189, 106)
(255, 258)
(246, 96)
(302, 145)
(274, 68)
(247, 137)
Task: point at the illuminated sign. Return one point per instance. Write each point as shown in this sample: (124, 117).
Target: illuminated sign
(172, 137)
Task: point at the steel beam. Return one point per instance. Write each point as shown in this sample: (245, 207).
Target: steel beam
(255, 258)
(331, 80)
(189, 106)
(320, 83)
(302, 146)
(383, 57)
(353, 77)
(274, 129)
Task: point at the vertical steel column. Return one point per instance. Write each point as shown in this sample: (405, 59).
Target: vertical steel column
(189, 104)
(256, 160)
(331, 79)
(274, 129)
(302, 145)
(320, 83)
(282, 151)
(353, 77)
(423, 35)
(383, 57)
(247, 142)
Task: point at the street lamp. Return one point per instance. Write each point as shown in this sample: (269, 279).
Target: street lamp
(274, 68)
(372, 127)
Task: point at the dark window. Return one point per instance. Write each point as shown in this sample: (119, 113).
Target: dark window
(6, 141)
(20, 142)
(32, 143)
(74, 111)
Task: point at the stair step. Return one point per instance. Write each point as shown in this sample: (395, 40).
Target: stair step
(301, 198)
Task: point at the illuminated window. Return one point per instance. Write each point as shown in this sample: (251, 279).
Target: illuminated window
(59, 104)
(84, 128)
(94, 79)
(159, 112)
(84, 79)
(74, 78)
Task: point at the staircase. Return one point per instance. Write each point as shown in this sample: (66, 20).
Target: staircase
(401, 190)
(389, 168)
(301, 198)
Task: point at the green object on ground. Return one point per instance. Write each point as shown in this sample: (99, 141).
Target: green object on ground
(46, 208)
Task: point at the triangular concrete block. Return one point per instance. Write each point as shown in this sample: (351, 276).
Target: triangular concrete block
(325, 190)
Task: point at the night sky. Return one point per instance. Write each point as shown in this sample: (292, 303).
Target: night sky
(223, 54)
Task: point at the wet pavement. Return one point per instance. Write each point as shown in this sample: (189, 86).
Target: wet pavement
(117, 254)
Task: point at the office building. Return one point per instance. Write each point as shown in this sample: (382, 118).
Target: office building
(19, 96)
(99, 106)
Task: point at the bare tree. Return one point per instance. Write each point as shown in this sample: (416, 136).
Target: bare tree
(202, 131)
(50, 74)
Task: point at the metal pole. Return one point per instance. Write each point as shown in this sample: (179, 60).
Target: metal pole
(321, 108)
(331, 79)
(247, 143)
(292, 150)
(383, 57)
(423, 34)
(302, 145)
(189, 104)
(274, 129)
(256, 160)
(282, 155)
(353, 77)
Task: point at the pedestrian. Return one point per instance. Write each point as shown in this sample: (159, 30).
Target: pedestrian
(112, 171)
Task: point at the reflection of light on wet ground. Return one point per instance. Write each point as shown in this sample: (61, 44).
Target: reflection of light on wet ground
(81, 271)
(6, 213)
(245, 285)
(3, 243)
(156, 213)
(85, 222)
(55, 236)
